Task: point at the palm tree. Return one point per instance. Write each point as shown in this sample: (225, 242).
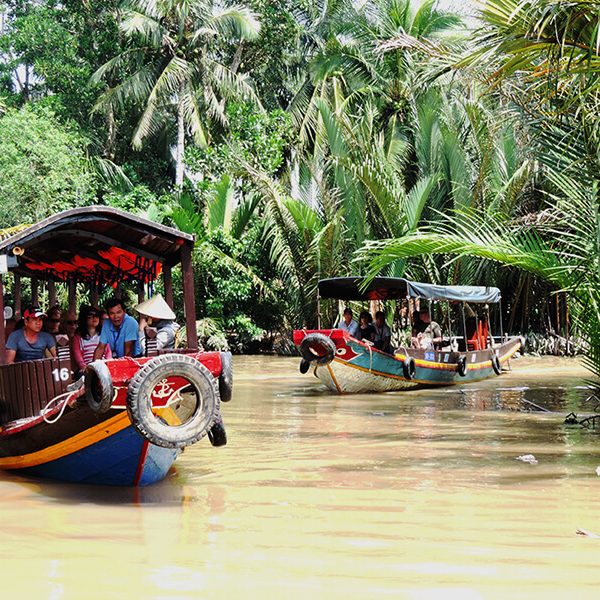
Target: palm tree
(172, 69)
(561, 246)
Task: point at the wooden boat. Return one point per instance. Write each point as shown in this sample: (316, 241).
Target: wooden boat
(126, 421)
(347, 365)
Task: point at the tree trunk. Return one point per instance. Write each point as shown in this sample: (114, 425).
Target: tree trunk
(237, 58)
(111, 139)
(179, 151)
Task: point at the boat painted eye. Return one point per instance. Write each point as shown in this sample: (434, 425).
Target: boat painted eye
(341, 351)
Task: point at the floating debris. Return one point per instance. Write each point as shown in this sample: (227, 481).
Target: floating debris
(590, 534)
(590, 422)
(528, 458)
(598, 471)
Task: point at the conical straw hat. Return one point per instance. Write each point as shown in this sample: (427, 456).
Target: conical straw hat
(157, 308)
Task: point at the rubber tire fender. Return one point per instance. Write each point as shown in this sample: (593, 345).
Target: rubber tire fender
(99, 389)
(226, 377)
(317, 338)
(461, 365)
(217, 434)
(409, 368)
(304, 366)
(496, 364)
(139, 405)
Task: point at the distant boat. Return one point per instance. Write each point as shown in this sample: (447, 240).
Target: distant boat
(128, 419)
(348, 365)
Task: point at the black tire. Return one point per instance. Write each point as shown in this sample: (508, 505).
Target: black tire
(99, 389)
(496, 364)
(409, 368)
(317, 348)
(226, 377)
(217, 434)
(152, 427)
(461, 365)
(304, 366)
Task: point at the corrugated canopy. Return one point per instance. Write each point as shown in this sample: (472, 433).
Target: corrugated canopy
(390, 288)
(95, 244)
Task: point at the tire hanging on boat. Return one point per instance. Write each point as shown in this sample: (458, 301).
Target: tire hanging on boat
(409, 368)
(496, 364)
(317, 348)
(99, 389)
(304, 366)
(461, 365)
(157, 430)
(217, 434)
(226, 377)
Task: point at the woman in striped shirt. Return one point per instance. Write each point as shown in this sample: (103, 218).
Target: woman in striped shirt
(87, 337)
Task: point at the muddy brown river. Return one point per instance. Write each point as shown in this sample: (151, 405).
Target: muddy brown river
(415, 494)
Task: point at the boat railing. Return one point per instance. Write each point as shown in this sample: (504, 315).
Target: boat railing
(26, 387)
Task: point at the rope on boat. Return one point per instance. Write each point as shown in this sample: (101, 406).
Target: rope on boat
(67, 397)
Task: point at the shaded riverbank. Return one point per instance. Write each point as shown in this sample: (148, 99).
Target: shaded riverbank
(403, 495)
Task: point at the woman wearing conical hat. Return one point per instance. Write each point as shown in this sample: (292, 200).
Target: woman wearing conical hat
(158, 314)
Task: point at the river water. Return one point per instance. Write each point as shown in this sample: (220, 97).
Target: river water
(418, 494)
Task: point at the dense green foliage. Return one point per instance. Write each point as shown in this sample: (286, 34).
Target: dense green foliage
(44, 166)
(301, 139)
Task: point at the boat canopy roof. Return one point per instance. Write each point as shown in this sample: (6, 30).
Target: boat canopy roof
(390, 288)
(93, 244)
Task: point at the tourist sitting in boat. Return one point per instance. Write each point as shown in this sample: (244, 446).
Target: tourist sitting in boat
(349, 324)
(68, 325)
(367, 331)
(87, 337)
(431, 336)
(52, 321)
(30, 342)
(383, 334)
(119, 331)
(156, 313)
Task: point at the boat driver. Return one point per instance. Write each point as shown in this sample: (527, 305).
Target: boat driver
(119, 331)
(30, 342)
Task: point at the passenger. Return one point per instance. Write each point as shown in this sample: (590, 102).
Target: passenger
(68, 324)
(158, 314)
(367, 331)
(119, 331)
(30, 342)
(52, 321)
(87, 338)
(383, 334)
(417, 325)
(431, 337)
(349, 324)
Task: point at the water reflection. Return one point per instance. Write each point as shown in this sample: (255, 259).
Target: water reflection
(404, 495)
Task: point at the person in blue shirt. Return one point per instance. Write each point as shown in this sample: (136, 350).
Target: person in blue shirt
(119, 331)
(349, 324)
(30, 342)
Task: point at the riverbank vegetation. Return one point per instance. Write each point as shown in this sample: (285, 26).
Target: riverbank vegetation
(301, 139)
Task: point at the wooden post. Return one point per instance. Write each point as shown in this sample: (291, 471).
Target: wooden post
(168, 282)
(188, 297)
(72, 296)
(35, 297)
(141, 293)
(51, 293)
(94, 295)
(17, 293)
(2, 332)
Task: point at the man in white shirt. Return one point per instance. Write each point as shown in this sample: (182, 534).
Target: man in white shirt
(349, 324)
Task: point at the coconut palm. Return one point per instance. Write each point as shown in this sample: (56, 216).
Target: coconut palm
(560, 245)
(171, 69)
